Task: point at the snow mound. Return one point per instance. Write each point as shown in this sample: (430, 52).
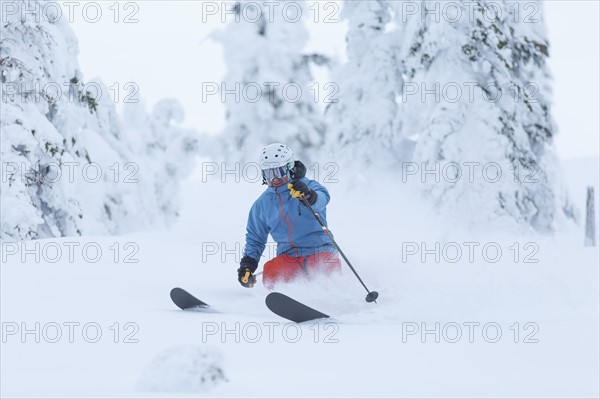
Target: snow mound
(185, 369)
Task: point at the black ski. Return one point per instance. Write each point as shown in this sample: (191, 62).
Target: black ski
(288, 308)
(186, 301)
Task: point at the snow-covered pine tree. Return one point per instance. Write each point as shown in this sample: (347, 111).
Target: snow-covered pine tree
(590, 219)
(263, 50)
(364, 123)
(173, 149)
(57, 133)
(482, 101)
(35, 65)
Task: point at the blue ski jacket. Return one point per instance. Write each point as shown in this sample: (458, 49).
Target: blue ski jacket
(290, 223)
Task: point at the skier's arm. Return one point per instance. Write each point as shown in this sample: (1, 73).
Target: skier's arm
(322, 195)
(257, 234)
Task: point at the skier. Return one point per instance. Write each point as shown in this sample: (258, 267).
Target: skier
(303, 249)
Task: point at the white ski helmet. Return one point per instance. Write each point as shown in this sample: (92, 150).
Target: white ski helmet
(276, 155)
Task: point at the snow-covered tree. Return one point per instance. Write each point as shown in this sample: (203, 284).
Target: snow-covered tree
(590, 218)
(36, 64)
(271, 76)
(168, 155)
(64, 155)
(477, 91)
(363, 124)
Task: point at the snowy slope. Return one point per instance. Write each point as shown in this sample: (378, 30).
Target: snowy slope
(371, 352)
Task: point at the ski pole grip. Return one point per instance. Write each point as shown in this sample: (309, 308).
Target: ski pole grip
(246, 277)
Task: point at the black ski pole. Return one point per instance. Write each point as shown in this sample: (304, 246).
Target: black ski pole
(371, 295)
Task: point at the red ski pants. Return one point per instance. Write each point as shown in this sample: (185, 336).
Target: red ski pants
(285, 268)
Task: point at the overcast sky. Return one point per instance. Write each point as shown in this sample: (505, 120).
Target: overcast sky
(168, 53)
